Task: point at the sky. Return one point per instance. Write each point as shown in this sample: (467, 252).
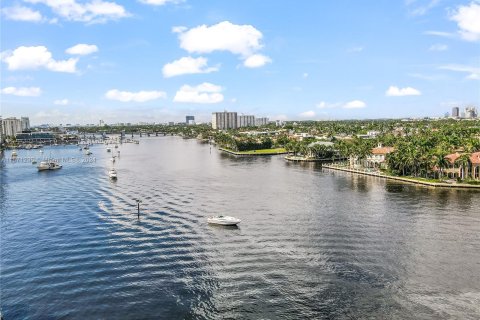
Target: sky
(74, 61)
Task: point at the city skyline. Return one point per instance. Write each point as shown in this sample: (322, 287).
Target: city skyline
(156, 61)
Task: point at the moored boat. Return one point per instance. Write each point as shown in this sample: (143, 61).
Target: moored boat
(112, 174)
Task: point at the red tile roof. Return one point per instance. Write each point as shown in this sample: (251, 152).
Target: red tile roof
(382, 150)
(475, 158)
(452, 157)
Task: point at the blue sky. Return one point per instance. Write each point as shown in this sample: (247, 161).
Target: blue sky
(73, 61)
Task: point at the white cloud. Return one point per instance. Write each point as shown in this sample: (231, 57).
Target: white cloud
(355, 104)
(305, 75)
(307, 114)
(61, 102)
(159, 2)
(95, 11)
(468, 20)
(421, 8)
(140, 96)
(24, 58)
(82, 49)
(438, 47)
(203, 93)
(474, 72)
(22, 92)
(224, 36)
(394, 91)
(20, 13)
(187, 65)
(440, 34)
(179, 29)
(256, 61)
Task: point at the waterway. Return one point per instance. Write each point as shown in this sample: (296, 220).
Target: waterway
(313, 243)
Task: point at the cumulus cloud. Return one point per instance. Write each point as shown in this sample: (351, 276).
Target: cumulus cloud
(95, 11)
(468, 20)
(187, 65)
(307, 114)
(256, 61)
(355, 104)
(473, 72)
(61, 102)
(394, 91)
(140, 96)
(24, 58)
(82, 49)
(242, 40)
(22, 92)
(20, 13)
(203, 93)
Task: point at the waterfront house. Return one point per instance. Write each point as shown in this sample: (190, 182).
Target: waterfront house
(456, 170)
(377, 157)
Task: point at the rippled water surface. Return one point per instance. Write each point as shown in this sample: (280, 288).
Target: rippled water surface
(313, 243)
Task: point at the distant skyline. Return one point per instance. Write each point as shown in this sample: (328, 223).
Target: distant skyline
(76, 61)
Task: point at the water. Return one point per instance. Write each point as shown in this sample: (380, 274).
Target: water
(313, 243)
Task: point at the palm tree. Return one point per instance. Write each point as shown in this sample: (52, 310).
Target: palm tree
(463, 161)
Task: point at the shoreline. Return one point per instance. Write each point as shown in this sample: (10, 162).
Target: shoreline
(412, 181)
(251, 153)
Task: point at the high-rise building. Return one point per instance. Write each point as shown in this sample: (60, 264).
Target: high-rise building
(471, 112)
(11, 126)
(246, 121)
(224, 120)
(190, 120)
(261, 122)
(455, 112)
(25, 123)
(2, 136)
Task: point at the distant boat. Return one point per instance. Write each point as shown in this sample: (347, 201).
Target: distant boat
(14, 154)
(112, 159)
(88, 152)
(108, 149)
(116, 146)
(112, 174)
(48, 165)
(223, 220)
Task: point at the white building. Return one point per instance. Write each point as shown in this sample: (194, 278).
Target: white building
(11, 126)
(471, 112)
(261, 122)
(246, 121)
(2, 136)
(224, 120)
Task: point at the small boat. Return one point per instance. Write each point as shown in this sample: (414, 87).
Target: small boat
(14, 154)
(224, 220)
(41, 151)
(88, 152)
(34, 162)
(116, 146)
(48, 165)
(108, 149)
(112, 174)
(112, 159)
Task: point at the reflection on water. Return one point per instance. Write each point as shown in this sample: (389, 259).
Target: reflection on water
(313, 243)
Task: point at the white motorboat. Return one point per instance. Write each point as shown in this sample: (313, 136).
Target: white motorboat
(14, 153)
(48, 165)
(224, 220)
(108, 149)
(112, 174)
(88, 152)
